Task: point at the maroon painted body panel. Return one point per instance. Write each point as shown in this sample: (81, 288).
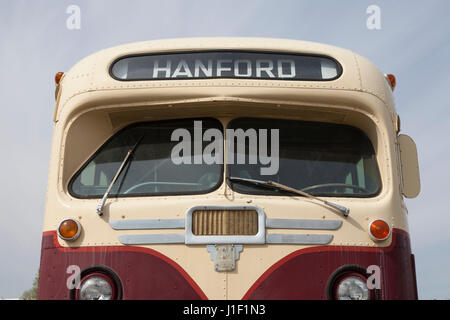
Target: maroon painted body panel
(144, 273)
(304, 274)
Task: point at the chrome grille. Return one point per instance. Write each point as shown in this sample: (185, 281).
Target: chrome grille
(224, 222)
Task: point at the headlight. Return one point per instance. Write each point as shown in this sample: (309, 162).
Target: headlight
(96, 287)
(352, 288)
(349, 282)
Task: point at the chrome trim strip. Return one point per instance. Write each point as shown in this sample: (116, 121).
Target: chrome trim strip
(303, 224)
(298, 238)
(272, 238)
(152, 238)
(147, 224)
(258, 238)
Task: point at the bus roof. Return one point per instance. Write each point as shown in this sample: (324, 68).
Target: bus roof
(92, 73)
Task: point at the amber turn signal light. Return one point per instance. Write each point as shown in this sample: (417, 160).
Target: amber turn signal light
(58, 77)
(391, 80)
(379, 230)
(69, 230)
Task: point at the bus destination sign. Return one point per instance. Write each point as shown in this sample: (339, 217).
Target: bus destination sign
(225, 64)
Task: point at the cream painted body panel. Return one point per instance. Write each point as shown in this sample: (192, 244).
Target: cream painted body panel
(93, 106)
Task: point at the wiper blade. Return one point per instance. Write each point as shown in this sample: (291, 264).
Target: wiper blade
(265, 184)
(271, 184)
(101, 204)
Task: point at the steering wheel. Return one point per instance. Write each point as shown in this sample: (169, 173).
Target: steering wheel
(155, 184)
(338, 185)
(209, 180)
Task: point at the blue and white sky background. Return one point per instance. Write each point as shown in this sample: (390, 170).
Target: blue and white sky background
(413, 43)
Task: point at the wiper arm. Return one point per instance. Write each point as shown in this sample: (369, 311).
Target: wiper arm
(101, 204)
(345, 211)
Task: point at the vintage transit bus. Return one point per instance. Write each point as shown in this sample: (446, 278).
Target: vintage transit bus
(228, 168)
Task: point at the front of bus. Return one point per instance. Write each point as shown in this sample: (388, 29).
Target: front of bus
(227, 169)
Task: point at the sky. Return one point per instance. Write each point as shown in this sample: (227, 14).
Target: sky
(413, 42)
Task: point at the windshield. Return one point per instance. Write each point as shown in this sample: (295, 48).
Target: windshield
(186, 157)
(164, 162)
(322, 159)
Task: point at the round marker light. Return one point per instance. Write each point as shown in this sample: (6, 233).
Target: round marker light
(379, 230)
(69, 230)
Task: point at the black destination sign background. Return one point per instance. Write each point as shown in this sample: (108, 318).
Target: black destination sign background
(225, 64)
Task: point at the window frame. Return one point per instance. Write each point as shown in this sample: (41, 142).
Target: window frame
(140, 195)
(269, 192)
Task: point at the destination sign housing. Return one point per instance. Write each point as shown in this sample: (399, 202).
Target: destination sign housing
(225, 64)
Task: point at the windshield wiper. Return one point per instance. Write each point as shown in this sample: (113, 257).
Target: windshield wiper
(270, 184)
(101, 204)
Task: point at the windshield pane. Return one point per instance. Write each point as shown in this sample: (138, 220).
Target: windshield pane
(322, 159)
(155, 167)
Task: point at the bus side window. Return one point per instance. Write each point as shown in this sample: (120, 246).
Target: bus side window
(360, 173)
(90, 176)
(103, 180)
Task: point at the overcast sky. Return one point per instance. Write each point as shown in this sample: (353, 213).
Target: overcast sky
(413, 43)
